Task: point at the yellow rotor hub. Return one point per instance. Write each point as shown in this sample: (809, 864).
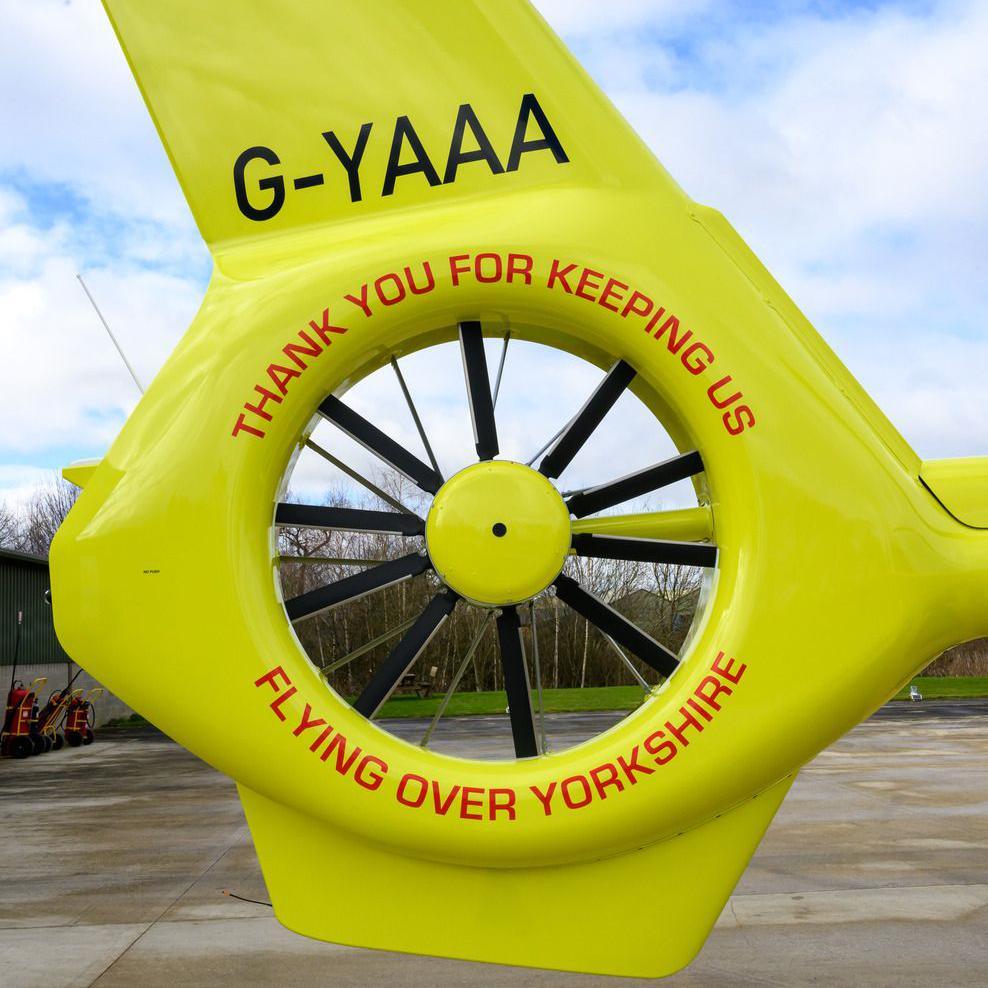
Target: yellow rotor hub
(498, 533)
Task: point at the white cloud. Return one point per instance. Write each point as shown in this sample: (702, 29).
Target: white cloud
(70, 389)
(71, 113)
(21, 246)
(930, 386)
(873, 120)
(18, 483)
(590, 19)
(850, 150)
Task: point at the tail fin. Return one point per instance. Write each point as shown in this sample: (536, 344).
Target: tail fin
(537, 917)
(281, 115)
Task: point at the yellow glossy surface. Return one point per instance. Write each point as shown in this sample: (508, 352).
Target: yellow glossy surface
(683, 525)
(498, 533)
(961, 486)
(80, 471)
(829, 545)
(571, 917)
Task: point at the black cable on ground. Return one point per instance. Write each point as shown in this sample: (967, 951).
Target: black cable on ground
(242, 898)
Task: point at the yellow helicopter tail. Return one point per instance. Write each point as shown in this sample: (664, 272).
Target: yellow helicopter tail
(283, 119)
(382, 120)
(320, 113)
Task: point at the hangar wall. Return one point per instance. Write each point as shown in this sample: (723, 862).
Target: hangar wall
(27, 634)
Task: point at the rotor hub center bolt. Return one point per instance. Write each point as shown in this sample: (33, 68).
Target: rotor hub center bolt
(498, 533)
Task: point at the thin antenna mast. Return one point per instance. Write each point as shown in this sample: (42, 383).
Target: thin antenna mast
(109, 332)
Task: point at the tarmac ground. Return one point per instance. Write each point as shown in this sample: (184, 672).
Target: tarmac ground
(875, 872)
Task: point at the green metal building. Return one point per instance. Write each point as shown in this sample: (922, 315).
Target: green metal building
(23, 583)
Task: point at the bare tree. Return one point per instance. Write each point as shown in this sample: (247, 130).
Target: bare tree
(661, 600)
(677, 589)
(44, 513)
(555, 641)
(969, 659)
(9, 528)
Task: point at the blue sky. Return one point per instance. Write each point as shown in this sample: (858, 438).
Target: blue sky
(847, 142)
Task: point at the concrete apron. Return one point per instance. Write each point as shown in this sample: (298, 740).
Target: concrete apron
(875, 872)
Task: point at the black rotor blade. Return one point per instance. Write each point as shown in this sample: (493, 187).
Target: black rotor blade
(371, 438)
(616, 625)
(347, 519)
(404, 654)
(645, 550)
(351, 587)
(587, 419)
(478, 390)
(593, 499)
(516, 683)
